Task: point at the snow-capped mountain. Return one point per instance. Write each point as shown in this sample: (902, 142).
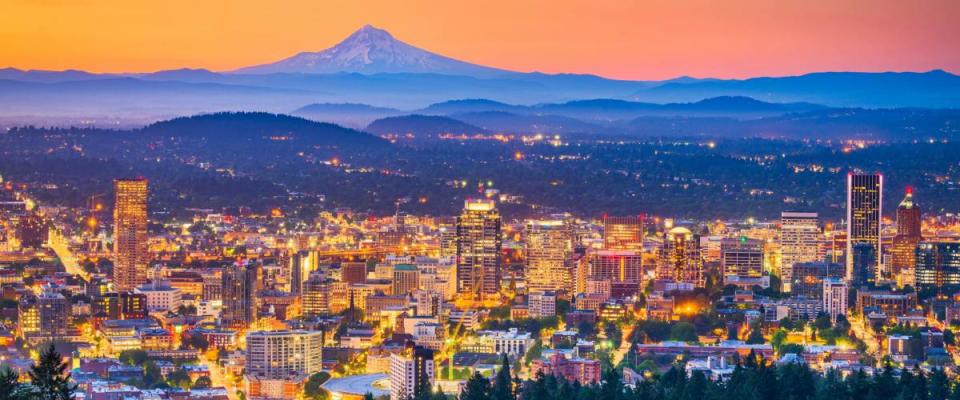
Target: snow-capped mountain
(371, 50)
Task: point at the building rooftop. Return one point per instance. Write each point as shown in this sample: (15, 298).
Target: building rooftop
(375, 384)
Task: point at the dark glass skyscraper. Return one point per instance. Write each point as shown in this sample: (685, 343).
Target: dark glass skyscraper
(241, 283)
(938, 266)
(864, 210)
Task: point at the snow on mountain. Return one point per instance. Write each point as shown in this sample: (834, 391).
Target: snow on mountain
(370, 50)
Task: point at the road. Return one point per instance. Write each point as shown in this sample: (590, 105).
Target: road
(216, 377)
(61, 245)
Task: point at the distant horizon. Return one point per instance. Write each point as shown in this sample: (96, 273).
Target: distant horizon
(642, 41)
(231, 71)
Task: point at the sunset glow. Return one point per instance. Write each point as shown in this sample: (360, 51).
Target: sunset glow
(621, 39)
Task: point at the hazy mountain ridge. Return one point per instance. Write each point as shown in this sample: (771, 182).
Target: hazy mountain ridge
(372, 67)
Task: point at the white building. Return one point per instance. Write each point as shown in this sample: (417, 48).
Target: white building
(408, 368)
(799, 237)
(278, 354)
(835, 293)
(511, 342)
(160, 296)
(542, 304)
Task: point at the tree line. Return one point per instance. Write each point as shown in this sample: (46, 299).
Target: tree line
(753, 378)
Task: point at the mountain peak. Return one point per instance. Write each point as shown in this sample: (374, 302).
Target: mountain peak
(371, 50)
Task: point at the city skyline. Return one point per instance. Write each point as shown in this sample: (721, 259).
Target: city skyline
(433, 200)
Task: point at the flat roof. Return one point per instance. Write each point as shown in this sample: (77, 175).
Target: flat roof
(375, 384)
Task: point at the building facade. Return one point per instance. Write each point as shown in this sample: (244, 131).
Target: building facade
(799, 238)
(864, 216)
(478, 249)
(130, 252)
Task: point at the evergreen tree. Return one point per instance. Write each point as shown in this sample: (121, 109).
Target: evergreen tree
(477, 388)
(939, 385)
(502, 384)
(49, 377)
(10, 387)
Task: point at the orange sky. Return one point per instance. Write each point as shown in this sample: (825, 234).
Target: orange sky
(623, 39)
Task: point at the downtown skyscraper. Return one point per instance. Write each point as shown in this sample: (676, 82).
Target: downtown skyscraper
(903, 258)
(799, 237)
(680, 258)
(864, 211)
(622, 233)
(547, 246)
(241, 284)
(130, 254)
(478, 249)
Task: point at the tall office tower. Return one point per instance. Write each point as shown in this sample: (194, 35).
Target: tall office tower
(406, 279)
(322, 296)
(623, 233)
(741, 258)
(938, 267)
(45, 315)
(130, 257)
(799, 238)
(448, 236)
(478, 249)
(241, 284)
(863, 264)
(411, 370)
(302, 264)
(680, 258)
(904, 246)
(864, 211)
(547, 247)
(280, 354)
(353, 272)
(622, 269)
(835, 297)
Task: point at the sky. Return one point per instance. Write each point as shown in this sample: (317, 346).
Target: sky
(619, 39)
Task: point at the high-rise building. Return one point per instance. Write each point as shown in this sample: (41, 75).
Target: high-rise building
(406, 279)
(323, 296)
(280, 354)
(680, 258)
(301, 265)
(863, 264)
(623, 233)
(241, 284)
(741, 257)
(447, 230)
(623, 270)
(130, 256)
(411, 370)
(478, 249)
(835, 297)
(904, 246)
(547, 247)
(864, 211)
(799, 238)
(46, 314)
(938, 266)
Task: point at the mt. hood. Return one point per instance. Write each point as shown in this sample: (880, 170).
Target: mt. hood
(370, 50)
